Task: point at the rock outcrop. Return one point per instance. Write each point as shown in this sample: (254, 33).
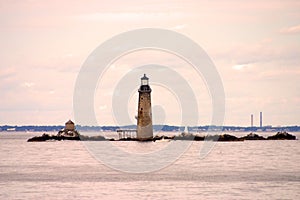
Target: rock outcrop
(67, 133)
(58, 137)
(163, 137)
(46, 137)
(229, 138)
(282, 136)
(253, 136)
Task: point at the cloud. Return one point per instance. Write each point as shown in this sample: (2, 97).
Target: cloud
(291, 30)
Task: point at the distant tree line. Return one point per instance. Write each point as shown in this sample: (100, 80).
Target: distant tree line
(166, 128)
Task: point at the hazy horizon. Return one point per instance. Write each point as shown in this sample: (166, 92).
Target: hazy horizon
(178, 125)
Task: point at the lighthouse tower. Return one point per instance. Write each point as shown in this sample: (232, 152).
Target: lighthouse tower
(144, 119)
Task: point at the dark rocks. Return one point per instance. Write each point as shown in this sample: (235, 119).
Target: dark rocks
(253, 136)
(185, 137)
(221, 138)
(199, 138)
(129, 139)
(277, 136)
(42, 138)
(46, 137)
(212, 137)
(282, 136)
(229, 138)
(163, 137)
(68, 133)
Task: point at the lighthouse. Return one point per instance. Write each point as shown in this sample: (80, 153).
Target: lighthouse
(144, 119)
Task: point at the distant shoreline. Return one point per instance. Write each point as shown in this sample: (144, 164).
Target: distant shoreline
(166, 128)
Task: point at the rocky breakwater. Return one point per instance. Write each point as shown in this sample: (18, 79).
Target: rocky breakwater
(74, 135)
(232, 138)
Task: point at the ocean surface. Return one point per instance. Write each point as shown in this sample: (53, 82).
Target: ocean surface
(68, 170)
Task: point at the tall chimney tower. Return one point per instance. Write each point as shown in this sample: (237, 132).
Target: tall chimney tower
(251, 120)
(260, 119)
(144, 120)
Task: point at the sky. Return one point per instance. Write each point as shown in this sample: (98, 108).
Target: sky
(255, 46)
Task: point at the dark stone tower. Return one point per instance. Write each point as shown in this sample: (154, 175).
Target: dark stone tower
(144, 120)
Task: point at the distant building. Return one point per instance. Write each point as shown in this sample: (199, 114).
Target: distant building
(70, 126)
(144, 118)
(68, 131)
(260, 119)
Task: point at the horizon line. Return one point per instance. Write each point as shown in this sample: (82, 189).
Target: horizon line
(266, 126)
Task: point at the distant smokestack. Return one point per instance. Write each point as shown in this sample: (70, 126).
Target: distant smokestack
(251, 120)
(260, 120)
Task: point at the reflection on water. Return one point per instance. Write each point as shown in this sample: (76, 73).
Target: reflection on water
(232, 170)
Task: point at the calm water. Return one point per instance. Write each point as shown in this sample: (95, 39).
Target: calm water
(66, 170)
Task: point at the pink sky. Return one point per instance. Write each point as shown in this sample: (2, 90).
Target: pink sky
(254, 45)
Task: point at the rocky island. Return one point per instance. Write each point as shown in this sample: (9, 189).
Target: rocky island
(67, 133)
(70, 133)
